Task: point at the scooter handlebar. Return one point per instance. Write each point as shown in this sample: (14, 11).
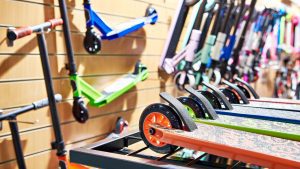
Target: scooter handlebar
(45, 102)
(13, 34)
(56, 22)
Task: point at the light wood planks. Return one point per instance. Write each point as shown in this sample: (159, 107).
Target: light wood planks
(21, 78)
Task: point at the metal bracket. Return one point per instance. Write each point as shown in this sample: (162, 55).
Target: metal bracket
(219, 95)
(208, 109)
(180, 110)
(239, 91)
(248, 86)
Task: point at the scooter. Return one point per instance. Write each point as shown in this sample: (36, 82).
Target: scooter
(175, 30)
(165, 127)
(205, 45)
(14, 34)
(11, 117)
(227, 50)
(187, 54)
(92, 40)
(81, 88)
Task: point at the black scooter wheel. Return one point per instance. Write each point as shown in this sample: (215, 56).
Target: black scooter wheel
(92, 42)
(151, 11)
(194, 108)
(231, 96)
(213, 100)
(245, 91)
(159, 114)
(80, 112)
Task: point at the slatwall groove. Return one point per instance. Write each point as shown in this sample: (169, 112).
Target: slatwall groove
(21, 73)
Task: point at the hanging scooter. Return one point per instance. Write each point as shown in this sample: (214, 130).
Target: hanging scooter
(187, 52)
(203, 55)
(237, 50)
(227, 50)
(92, 40)
(175, 30)
(220, 51)
(15, 34)
(182, 62)
(81, 88)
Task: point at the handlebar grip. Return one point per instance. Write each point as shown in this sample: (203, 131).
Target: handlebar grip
(45, 102)
(56, 22)
(13, 34)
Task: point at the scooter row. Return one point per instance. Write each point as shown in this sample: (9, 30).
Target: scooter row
(253, 131)
(238, 43)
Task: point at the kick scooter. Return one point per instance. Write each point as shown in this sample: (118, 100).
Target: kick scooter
(14, 34)
(165, 127)
(175, 30)
(188, 52)
(11, 117)
(203, 55)
(92, 40)
(81, 88)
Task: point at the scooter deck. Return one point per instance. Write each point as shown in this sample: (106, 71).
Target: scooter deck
(270, 128)
(272, 106)
(276, 100)
(243, 146)
(128, 27)
(263, 114)
(119, 87)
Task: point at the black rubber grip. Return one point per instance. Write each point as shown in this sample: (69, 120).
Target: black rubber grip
(219, 95)
(180, 110)
(249, 87)
(45, 102)
(238, 90)
(208, 109)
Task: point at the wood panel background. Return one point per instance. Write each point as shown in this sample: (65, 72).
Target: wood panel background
(21, 78)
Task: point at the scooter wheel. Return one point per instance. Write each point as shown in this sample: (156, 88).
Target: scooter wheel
(121, 124)
(149, 12)
(80, 112)
(231, 96)
(194, 108)
(245, 91)
(213, 100)
(178, 85)
(92, 42)
(159, 114)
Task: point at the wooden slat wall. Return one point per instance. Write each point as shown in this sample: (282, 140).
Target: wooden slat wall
(21, 78)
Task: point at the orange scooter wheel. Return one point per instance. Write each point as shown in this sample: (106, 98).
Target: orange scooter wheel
(162, 115)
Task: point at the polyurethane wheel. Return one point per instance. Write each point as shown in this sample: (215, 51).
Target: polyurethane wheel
(79, 110)
(92, 42)
(213, 100)
(231, 96)
(151, 11)
(177, 78)
(159, 114)
(245, 91)
(194, 108)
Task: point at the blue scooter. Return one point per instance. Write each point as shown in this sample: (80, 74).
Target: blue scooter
(92, 40)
